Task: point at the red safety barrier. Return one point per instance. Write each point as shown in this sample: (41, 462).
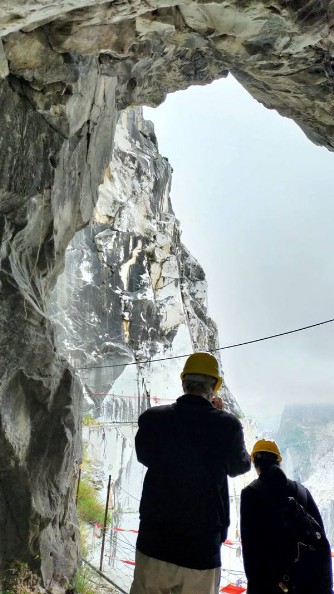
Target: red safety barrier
(156, 399)
(125, 530)
(231, 589)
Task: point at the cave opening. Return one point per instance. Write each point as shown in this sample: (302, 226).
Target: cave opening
(254, 198)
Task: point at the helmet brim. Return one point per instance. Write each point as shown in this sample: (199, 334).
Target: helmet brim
(218, 385)
(279, 458)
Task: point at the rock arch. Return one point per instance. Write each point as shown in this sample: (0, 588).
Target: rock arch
(65, 75)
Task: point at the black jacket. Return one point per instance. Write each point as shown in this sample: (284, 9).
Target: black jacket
(267, 551)
(189, 448)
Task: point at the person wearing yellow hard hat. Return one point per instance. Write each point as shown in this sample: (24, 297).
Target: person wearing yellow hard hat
(189, 448)
(206, 365)
(265, 446)
(203, 364)
(274, 560)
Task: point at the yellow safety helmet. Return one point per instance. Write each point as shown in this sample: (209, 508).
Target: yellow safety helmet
(265, 445)
(203, 364)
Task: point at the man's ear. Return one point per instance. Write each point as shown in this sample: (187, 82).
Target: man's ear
(218, 402)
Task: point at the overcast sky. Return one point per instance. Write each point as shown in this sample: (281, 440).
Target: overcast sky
(255, 201)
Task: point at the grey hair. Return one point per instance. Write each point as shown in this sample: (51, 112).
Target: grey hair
(193, 382)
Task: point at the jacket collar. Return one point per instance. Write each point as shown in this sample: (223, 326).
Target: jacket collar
(193, 400)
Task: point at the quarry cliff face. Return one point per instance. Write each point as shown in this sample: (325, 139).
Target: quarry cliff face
(67, 69)
(130, 290)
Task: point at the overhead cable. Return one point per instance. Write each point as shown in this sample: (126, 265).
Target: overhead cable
(230, 346)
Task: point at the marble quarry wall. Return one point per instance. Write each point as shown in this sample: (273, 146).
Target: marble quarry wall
(67, 69)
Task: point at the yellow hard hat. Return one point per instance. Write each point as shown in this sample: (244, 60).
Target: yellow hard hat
(265, 445)
(204, 364)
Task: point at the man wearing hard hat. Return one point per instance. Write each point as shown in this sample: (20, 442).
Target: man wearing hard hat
(277, 558)
(189, 448)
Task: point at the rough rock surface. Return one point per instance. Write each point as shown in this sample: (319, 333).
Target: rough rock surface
(281, 51)
(47, 186)
(130, 290)
(66, 68)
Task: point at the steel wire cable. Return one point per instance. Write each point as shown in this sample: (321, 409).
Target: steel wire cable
(230, 346)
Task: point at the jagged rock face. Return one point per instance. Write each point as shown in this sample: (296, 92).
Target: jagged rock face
(40, 450)
(130, 291)
(306, 438)
(282, 52)
(47, 186)
(66, 69)
(144, 295)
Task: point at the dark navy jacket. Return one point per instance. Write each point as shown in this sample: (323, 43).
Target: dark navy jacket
(189, 448)
(267, 552)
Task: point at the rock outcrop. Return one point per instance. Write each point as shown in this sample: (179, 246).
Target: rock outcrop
(130, 290)
(66, 69)
(281, 51)
(47, 191)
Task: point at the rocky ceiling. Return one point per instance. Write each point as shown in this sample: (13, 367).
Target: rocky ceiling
(280, 50)
(67, 68)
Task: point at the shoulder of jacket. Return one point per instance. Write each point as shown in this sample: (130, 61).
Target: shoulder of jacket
(302, 488)
(303, 494)
(229, 419)
(251, 487)
(155, 411)
(248, 494)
